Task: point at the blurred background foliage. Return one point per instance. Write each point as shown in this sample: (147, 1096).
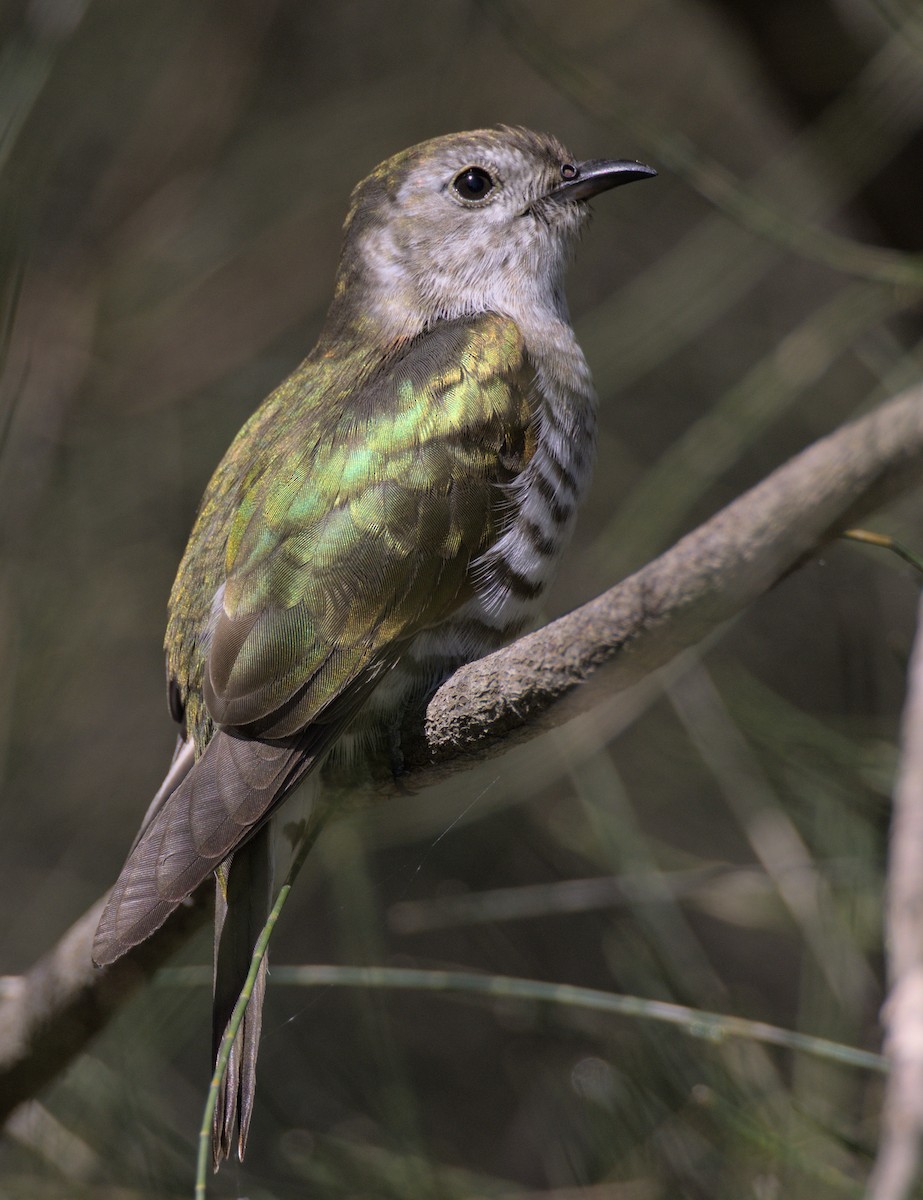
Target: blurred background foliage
(172, 181)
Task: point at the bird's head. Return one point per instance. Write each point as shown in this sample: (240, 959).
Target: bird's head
(468, 223)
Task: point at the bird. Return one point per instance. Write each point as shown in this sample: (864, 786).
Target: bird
(394, 509)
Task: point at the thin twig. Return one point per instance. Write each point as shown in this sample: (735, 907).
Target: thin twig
(886, 542)
(897, 1169)
(712, 1026)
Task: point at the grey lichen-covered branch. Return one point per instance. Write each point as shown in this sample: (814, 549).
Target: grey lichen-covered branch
(541, 681)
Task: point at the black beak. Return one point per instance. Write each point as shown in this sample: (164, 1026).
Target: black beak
(583, 180)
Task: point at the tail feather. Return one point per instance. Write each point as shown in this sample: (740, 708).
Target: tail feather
(243, 897)
(211, 815)
(189, 832)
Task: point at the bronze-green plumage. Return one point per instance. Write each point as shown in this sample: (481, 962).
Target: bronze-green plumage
(394, 508)
(401, 493)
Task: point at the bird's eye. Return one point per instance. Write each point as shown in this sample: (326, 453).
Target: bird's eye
(473, 184)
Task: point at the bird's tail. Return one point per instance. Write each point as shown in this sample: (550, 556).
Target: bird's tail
(243, 897)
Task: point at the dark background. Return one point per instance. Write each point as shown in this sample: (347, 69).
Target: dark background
(172, 181)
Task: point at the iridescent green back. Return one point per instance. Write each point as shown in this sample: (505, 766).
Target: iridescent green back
(343, 520)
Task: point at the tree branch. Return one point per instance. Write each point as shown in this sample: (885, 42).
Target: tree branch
(549, 676)
(48, 1015)
(897, 1168)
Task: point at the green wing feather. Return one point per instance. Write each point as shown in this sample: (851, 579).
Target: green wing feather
(343, 521)
(352, 528)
